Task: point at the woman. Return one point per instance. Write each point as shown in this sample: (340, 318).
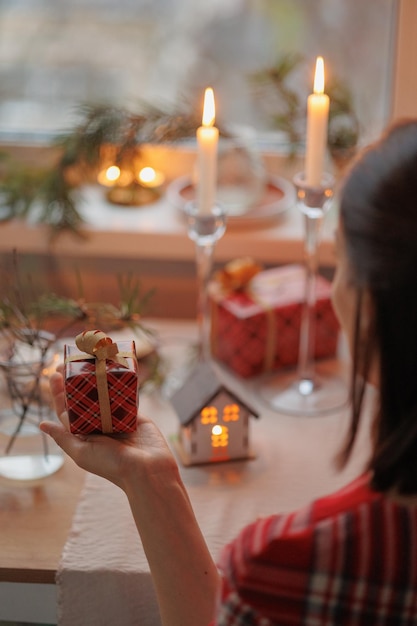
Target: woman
(350, 558)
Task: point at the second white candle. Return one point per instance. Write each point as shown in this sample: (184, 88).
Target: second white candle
(207, 142)
(317, 121)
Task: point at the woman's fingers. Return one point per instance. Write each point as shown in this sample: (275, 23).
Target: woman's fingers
(56, 383)
(91, 452)
(63, 437)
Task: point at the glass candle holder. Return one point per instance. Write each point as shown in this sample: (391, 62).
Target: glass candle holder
(205, 229)
(308, 391)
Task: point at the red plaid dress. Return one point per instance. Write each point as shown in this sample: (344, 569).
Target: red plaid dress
(350, 558)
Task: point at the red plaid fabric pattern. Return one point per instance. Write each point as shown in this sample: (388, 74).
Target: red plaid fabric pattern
(349, 559)
(82, 397)
(241, 343)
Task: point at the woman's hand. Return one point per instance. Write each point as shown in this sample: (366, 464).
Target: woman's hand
(112, 457)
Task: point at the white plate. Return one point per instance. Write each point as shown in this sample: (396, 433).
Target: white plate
(279, 196)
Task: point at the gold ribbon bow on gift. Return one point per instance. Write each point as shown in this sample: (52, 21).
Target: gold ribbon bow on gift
(237, 274)
(100, 347)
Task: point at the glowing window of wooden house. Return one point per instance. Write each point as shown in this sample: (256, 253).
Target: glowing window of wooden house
(209, 415)
(219, 436)
(231, 413)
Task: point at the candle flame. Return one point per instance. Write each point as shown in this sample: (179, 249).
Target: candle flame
(112, 173)
(109, 176)
(147, 175)
(319, 76)
(209, 110)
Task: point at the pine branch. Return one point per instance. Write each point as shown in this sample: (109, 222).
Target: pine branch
(51, 196)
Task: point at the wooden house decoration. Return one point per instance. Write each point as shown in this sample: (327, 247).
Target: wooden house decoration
(214, 421)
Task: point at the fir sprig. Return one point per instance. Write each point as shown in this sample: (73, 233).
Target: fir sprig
(26, 306)
(344, 127)
(51, 196)
(288, 117)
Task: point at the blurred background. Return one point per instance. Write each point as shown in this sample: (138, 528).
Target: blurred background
(56, 54)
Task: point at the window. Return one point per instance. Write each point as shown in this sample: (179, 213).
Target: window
(56, 55)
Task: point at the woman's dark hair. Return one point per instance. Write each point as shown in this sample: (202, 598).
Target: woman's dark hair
(379, 219)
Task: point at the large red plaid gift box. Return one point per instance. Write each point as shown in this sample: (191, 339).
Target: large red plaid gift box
(101, 384)
(255, 326)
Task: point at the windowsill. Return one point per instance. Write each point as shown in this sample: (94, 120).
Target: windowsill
(158, 232)
(151, 243)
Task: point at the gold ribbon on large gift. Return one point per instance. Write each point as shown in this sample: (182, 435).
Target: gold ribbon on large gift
(95, 344)
(236, 277)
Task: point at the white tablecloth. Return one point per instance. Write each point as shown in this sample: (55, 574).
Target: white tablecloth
(104, 579)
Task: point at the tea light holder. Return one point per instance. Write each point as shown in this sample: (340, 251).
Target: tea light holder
(127, 189)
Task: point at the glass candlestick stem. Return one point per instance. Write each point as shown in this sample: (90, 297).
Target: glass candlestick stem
(205, 229)
(312, 202)
(310, 390)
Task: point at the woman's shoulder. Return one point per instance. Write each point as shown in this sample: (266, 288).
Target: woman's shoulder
(290, 537)
(279, 553)
(294, 532)
(357, 493)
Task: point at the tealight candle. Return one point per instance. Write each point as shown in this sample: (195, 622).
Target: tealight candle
(148, 177)
(207, 140)
(109, 176)
(317, 120)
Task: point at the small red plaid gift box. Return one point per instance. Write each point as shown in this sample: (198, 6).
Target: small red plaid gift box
(101, 384)
(256, 326)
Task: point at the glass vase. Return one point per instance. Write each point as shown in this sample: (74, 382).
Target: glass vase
(26, 363)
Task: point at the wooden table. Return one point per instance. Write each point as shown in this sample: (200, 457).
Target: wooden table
(35, 521)
(34, 524)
